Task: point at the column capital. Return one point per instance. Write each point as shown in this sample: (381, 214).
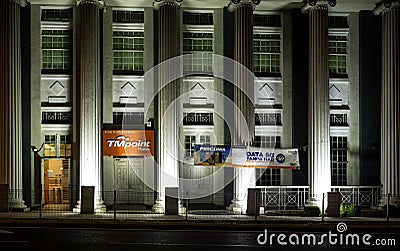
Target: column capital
(312, 4)
(99, 3)
(235, 4)
(22, 3)
(158, 3)
(385, 6)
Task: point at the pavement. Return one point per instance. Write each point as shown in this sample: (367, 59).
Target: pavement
(152, 220)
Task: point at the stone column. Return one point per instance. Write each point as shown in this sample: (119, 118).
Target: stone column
(319, 171)
(243, 96)
(390, 106)
(167, 119)
(90, 98)
(10, 101)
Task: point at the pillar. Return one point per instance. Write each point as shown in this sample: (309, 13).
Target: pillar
(244, 86)
(167, 119)
(10, 101)
(90, 98)
(319, 170)
(390, 117)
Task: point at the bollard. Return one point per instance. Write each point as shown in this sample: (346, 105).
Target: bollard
(115, 204)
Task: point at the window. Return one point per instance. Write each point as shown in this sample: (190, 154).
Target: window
(200, 46)
(339, 161)
(267, 53)
(268, 141)
(128, 50)
(269, 177)
(50, 146)
(65, 146)
(205, 139)
(56, 49)
(190, 141)
(338, 22)
(337, 55)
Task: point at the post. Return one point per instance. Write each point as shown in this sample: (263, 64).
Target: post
(115, 204)
(387, 207)
(186, 211)
(323, 205)
(40, 201)
(257, 208)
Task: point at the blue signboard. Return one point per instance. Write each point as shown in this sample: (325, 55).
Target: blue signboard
(212, 155)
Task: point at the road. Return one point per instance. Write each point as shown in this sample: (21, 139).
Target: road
(45, 238)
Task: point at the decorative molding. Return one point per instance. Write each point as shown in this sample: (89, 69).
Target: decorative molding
(311, 4)
(198, 90)
(158, 3)
(385, 6)
(57, 88)
(235, 4)
(128, 88)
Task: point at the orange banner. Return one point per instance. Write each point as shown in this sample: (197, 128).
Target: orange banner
(122, 143)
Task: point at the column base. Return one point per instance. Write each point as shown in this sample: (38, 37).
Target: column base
(316, 201)
(236, 207)
(19, 205)
(100, 207)
(394, 201)
(159, 206)
(181, 208)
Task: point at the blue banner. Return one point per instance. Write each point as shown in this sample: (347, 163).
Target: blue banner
(212, 155)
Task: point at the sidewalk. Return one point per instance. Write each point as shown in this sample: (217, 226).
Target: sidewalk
(143, 216)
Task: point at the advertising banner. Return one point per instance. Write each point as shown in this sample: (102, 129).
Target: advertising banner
(206, 155)
(218, 155)
(265, 157)
(121, 143)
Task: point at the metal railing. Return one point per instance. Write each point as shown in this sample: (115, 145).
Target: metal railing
(359, 195)
(198, 119)
(338, 120)
(283, 197)
(268, 119)
(131, 204)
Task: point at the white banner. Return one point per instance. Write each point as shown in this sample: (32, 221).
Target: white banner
(265, 157)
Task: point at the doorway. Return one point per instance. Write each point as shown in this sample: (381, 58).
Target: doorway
(56, 181)
(128, 181)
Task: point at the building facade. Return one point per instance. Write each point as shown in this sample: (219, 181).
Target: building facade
(319, 76)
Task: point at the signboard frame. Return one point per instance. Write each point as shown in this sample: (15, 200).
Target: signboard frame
(128, 143)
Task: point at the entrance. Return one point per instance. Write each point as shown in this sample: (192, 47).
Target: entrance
(129, 186)
(56, 181)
